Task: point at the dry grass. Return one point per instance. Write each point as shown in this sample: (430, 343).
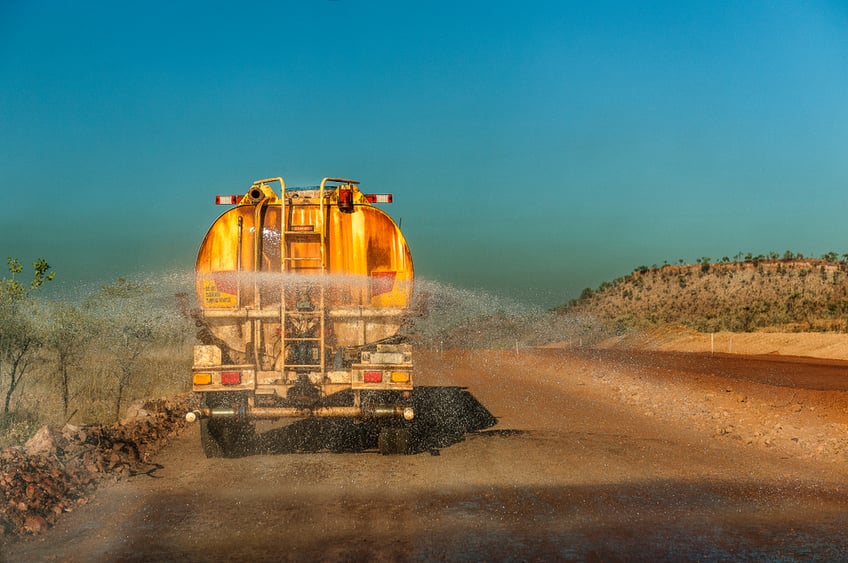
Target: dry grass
(163, 373)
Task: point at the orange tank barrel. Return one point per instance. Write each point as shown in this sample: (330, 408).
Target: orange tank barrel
(362, 255)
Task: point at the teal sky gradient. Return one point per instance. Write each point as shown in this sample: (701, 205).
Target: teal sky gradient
(533, 148)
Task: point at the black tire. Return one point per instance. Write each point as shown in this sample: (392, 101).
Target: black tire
(210, 445)
(393, 440)
(225, 437)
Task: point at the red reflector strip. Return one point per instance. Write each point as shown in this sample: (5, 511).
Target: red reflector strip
(382, 282)
(226, 199)
(372, 377)
(302, 228)
(230, 378)
(379, 198)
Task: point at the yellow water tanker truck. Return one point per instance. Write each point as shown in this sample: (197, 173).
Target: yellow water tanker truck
(301, 294)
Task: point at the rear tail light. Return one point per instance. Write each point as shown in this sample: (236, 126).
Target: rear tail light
(372, 376)
(226, 199)
(202, 378)
(230, 378)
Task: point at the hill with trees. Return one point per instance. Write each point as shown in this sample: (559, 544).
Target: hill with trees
(788, 293)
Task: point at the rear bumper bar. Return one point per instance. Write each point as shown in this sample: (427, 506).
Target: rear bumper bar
(265, 413)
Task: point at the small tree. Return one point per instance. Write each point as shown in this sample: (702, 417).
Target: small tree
(125, 330)
(66, 334)
(134, 338)
(19, 339)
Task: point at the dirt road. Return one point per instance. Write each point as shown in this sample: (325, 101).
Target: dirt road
(539, 455)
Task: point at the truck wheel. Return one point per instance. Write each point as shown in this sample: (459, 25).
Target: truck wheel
(226, 438)
(210, 445)
(393, 440)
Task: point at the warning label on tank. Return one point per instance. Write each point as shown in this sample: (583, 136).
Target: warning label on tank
(220, 292)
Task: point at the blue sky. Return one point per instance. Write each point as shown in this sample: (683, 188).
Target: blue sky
(533, 148)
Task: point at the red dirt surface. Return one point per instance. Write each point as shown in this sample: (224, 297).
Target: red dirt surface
(536, 455)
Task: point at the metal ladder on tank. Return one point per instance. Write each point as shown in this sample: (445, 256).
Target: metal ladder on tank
(303, 267)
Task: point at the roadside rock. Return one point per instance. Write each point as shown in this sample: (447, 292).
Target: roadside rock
(57, 468)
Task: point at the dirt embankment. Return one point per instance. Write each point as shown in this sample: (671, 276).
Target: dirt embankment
(672, 338)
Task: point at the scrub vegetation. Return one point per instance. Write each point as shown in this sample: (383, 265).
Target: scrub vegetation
(84, 362)
(786, 293)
